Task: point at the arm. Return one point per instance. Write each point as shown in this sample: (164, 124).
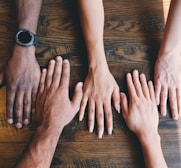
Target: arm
(23, 71)
(52, 96)
(99, 86)
(142, 106)
(168, 64)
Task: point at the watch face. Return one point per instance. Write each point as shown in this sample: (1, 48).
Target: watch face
(25, 38)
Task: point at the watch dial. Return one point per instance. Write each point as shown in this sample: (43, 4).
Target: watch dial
(24, 37)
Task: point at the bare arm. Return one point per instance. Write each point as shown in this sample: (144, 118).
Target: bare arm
(141, 116)
(168, 64)
(23, 71)
(53, 95)
(99, 86)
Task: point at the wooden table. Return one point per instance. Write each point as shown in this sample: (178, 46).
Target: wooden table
(133, 33)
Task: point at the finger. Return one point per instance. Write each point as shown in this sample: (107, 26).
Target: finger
(130, 85)
(124, 104)
(42, 81)
(151, 91)
(77, 97)
(18, 108)
(50, 73)
(91, 115)
(108, 116)
(100, 119)
(163, 101)
(173, 103)
(178, 93)
(33, 98)
(144, 86)
(82, 107)
(116, 98)
(157, 92)
(137, 83)
(27, 107)
(65, 74)
(57, 72)
(10, 96)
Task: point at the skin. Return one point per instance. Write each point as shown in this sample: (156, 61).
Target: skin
(168, 64)
(141, 116)
(23, 71)
(54, 110)
(99, 86)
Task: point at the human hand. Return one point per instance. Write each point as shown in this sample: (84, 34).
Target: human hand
(53, 105)
(99, 87)
(141, 115)
(168, 83)
(22, 77)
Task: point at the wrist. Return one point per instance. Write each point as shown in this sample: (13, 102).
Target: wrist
(50, 127)
(23, 52)
(149, 140)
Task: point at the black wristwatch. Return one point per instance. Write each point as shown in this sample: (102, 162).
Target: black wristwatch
(26, 38)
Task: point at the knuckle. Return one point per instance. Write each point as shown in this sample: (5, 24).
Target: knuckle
(100, 115)
(109, 114)
(18, 106)
(90, 120)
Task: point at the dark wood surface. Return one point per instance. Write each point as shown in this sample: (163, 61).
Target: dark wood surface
(133, 33)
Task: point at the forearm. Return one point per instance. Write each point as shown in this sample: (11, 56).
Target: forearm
(28, 13)
(92, 21)
(172, 34)
(152, 152)
(42, 147)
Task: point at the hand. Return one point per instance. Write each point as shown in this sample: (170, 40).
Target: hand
(99, 87)
(53, 106)
(22, 74)
(168, 83)
(141, 115)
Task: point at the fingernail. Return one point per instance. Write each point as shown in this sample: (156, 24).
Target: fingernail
(18, 125)
(118, 108)
(10, 121)
(58, 58)
(26, 121)
(91, 129)
(100, 134)
(80, 118)
(80, 84)
(175, 117)
(164, 114)
(109, 131)
(65, 61)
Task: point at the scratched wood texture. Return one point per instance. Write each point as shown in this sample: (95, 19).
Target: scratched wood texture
(133, 33)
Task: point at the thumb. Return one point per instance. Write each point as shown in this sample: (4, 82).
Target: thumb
(124, 104)
(77, 97)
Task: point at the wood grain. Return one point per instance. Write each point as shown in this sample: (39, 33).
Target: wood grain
(132, 37)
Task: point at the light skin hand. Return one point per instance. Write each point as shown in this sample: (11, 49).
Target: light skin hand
(22, 77)
(99, 87)
(168, 83)
(53, 94)
(167, 75)
(141, 116)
